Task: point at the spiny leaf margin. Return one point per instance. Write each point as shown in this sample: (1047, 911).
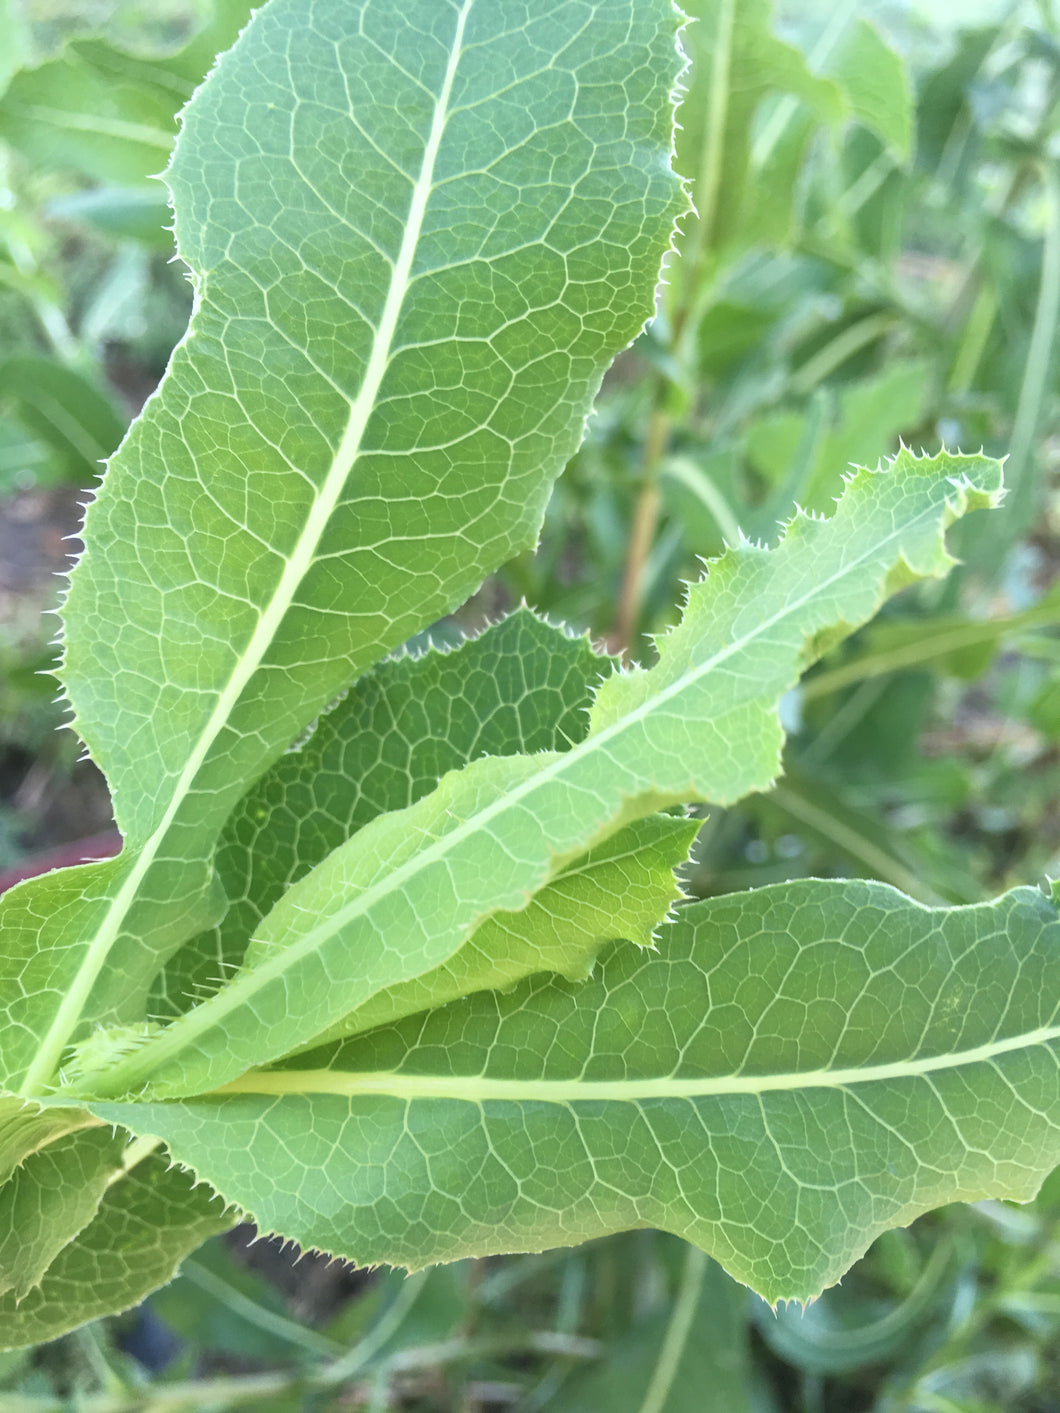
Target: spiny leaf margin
(702, 724)
(797, 1069)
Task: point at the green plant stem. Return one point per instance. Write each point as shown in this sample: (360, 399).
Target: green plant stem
(684, 470)
(383, 1330)
(962, 301)
(974, 306)
(787, 106)
(165, 1398)
(836, 352)
(642, 533)
(574, 1286)
(677, 1331)
(1018, 472)
(89, 1340)
(700, 239)
(880, 863)
(950, 639)
(551, 1342)
(234, 1392)
(701, 235)
(966, 1330)
(841, 721)
(278, 1326)
(866, 185)
(973, 342)
(991, 546)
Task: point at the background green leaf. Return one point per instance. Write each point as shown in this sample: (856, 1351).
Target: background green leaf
(670, 1362)
(107, 112)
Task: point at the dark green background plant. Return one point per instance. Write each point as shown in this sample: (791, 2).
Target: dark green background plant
(902, 279)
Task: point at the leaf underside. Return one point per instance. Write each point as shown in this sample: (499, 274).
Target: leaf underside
(521, 686)
(403, 895)
(796, 1070)
(418, 235)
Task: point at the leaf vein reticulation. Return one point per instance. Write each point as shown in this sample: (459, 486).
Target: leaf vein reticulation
(301, 559)
(568, 761)
(480, 1089)
(250, 982)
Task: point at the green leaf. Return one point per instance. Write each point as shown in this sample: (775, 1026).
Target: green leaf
(876, 82)
(946, 95)
(49, 1199)
(837, 1333)
(108, 113)
(64, 408)
(797, 1070)
(426, 286)
(702, 724)
(14, 42)
(139, 213)
(622, 888)
(25, 1128)
(737, 62)
(146, 1223)
(869, 415)
(522, 686)
(88, 110)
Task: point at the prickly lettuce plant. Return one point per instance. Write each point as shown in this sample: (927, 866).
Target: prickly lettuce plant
(417, 988)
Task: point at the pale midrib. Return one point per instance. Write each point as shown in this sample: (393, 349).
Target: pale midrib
(68, 1014)
(477, 1089)
(211, 1012)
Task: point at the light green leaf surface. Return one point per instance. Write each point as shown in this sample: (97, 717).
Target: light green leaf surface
(49, 1199)
(25, 1128)
(403, 894)
(798, 1069)
(622, 888)
(521, 686)
(147, 1221)
(418, 236)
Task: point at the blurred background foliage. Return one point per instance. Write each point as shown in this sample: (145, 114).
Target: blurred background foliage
(875, 257)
